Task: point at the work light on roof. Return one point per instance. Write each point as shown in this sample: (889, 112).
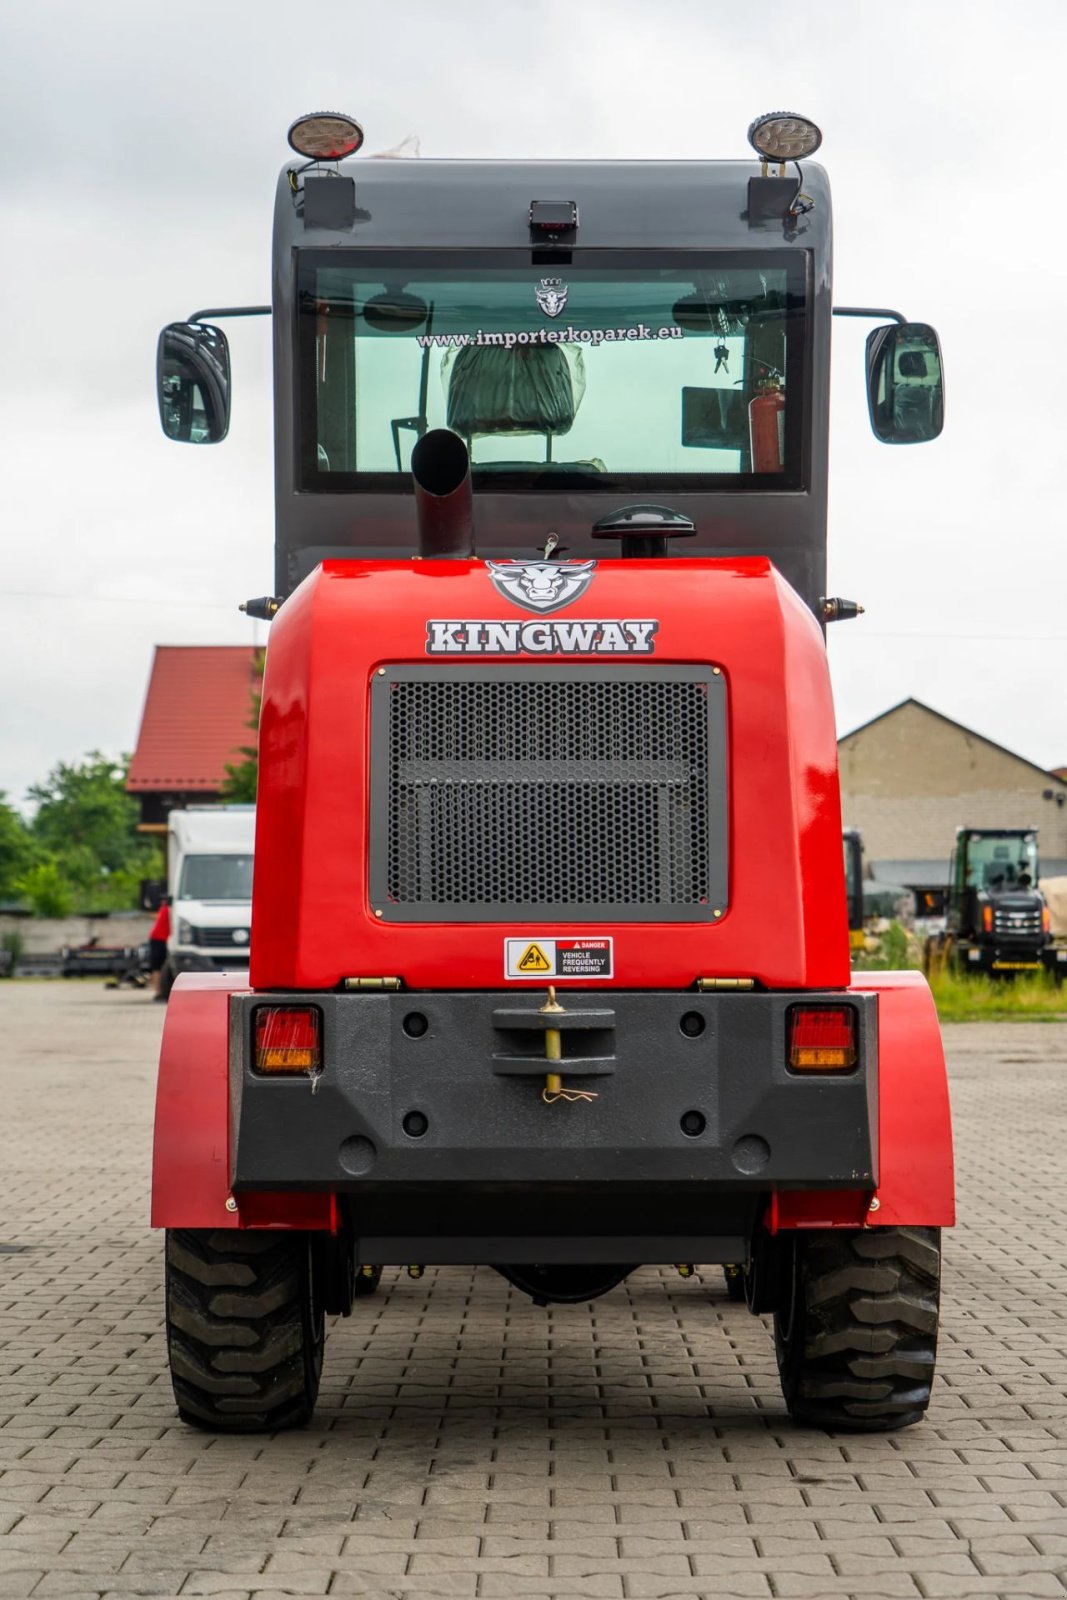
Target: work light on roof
(784, 136)
(325, 136)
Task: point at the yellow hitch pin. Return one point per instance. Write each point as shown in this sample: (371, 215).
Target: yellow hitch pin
(553, 1089)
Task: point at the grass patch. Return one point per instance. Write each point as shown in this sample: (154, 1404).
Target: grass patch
(1036, 997)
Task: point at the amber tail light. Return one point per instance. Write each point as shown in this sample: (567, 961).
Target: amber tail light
(822, 1038)
(287, 1039)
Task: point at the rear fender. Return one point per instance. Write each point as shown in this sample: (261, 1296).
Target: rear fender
(191, 1156)
(916, 1186)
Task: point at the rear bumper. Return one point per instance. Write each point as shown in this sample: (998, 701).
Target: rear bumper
(687, 1112)
(1007, 957)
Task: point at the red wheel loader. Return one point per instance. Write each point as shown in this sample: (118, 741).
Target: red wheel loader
(546, 728)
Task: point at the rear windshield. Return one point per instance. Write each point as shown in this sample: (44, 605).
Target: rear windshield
(216, 878)
(685, 369)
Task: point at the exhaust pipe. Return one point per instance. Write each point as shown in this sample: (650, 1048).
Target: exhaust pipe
(444, 507)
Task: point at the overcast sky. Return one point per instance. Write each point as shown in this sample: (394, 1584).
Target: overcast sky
(142, 145)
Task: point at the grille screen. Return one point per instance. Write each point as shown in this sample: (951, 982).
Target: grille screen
(1008, 921)
(219, 938)
(570, 791)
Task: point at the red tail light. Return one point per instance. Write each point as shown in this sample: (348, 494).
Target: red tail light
(987, 919)
(288, 1039)
(822, 1038)
(1046, 920)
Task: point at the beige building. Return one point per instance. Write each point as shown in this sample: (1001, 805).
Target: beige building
(911, 777)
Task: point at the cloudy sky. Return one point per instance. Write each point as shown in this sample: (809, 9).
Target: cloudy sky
(141, 148)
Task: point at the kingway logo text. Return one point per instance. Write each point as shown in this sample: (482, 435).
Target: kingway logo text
(542, 586)
(590, 637)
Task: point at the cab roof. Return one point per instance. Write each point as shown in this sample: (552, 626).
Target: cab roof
(621, 204)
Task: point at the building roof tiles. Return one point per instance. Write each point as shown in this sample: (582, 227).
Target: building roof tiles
(195, 718)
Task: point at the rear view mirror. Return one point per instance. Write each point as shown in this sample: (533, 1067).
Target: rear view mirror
(905, 383)
(193, 382)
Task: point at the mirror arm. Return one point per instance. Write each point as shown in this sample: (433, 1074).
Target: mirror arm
(212, 313)
(876, 313)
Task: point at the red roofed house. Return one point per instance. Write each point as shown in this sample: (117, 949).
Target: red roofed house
(195, 719)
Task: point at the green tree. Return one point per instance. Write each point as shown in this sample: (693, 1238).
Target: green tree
(46, 888)
(17, 849)
(239, 784)
(86, 825)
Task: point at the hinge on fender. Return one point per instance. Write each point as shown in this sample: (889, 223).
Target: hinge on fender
(704, 984)
(378, 984)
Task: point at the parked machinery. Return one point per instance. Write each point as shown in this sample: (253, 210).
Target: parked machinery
(998, 921)
(209, 867)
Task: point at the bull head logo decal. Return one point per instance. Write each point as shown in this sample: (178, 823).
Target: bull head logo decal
(552, 296)
(541, 585)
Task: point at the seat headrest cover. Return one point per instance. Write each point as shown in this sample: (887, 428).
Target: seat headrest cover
(527, 390)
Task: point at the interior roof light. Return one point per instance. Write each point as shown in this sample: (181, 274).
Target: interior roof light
(784, 136)
(325, 136)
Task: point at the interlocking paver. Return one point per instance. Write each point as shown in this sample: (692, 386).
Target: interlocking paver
(471, 1445)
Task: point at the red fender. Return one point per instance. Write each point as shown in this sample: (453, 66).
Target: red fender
(916, 1186)
(191, 1156)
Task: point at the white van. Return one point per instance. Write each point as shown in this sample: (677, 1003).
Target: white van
(209, 874)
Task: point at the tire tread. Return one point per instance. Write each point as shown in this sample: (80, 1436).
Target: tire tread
(859, 1351)
(244, 1335)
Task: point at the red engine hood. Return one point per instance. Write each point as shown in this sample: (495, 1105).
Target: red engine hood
(313, 923)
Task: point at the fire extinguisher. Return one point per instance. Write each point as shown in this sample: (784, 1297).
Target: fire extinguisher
(766, 426)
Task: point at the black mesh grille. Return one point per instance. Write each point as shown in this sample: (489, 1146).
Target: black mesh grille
(572, 792)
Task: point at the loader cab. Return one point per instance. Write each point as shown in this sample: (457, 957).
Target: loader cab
(598, 333)
(991, 861)
(619, 366)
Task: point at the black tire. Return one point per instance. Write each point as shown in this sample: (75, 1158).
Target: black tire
(856, 1329)
(244, 1330)
(366, 1281)
(735, 1280)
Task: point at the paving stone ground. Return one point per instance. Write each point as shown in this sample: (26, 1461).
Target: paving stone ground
(470, 1444)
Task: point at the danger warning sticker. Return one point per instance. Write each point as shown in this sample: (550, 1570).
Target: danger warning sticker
(558, 958)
